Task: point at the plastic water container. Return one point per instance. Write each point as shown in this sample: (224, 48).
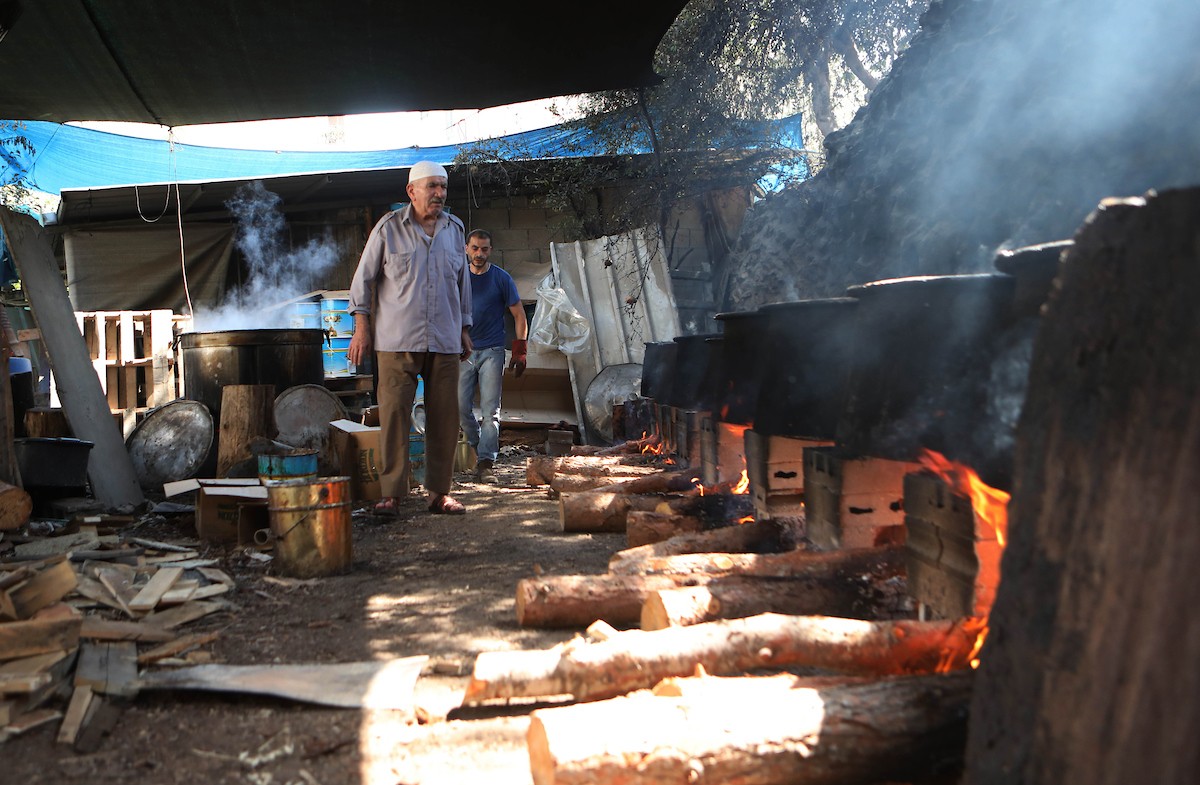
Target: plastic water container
(416, 458)
(336, 318)
(334, 358)
(304, 315)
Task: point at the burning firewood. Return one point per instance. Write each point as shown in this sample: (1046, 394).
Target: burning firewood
(768, 730)
(663, 534)
(604, 511)
(578, 600)
(637, 659)
(541, 469)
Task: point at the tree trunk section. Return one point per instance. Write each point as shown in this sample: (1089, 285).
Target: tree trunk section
(871, 596)
(247, 412)
(578, 600)
(541, 469)
(636, 659)
(835, 735)
(15, 507)
(831, 565)
(643, 527)
(649, 481)
(603, 511)
(770, 536)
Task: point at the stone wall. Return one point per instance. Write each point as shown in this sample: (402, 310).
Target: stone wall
(1004, 124)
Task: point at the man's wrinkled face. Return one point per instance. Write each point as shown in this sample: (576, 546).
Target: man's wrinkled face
(478, 251)
(428, 195)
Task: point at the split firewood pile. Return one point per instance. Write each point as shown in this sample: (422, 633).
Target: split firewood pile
(82, 611)
(758, 658)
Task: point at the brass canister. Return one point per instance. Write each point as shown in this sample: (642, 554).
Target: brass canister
(311, 525)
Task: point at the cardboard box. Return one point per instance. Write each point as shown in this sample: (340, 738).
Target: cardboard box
(355, 449)
(227, 510)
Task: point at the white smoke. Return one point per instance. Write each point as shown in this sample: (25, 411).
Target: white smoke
(276, 273)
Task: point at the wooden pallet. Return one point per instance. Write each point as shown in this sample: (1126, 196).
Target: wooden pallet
(133, 354)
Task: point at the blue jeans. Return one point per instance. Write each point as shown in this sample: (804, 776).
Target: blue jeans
(483, 370)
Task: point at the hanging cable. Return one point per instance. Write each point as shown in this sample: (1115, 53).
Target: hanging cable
(187, 294)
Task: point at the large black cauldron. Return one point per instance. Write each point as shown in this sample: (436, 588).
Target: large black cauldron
(283, 358)
(925, 363)
(801, 390)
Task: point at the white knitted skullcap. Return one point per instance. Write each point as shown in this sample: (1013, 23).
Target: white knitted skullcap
(423, 169)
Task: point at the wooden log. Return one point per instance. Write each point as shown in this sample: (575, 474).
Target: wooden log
(654, 481)
(247, 412)
(603, 511)
(832, 735)
(888, 559)
(770, 536)
(15, 507)
(643, 527)
(867, 580)
(873, 596)
(558, 601)
(540, 469)
(637, 659)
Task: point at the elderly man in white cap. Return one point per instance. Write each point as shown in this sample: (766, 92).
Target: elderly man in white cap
(411, 300)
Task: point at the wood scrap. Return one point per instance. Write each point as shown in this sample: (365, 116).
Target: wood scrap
(81, 700)
(38, 636)
(159, 584)
(109, 668)
(636, 659)
(658, 481)
(178, 646)
(182, 614)
(43, 588)
(784, 735)
(95, 628)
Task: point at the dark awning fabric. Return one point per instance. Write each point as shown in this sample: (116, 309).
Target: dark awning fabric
(186, 63)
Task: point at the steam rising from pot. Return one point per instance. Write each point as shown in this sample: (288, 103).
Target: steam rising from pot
(275, 272)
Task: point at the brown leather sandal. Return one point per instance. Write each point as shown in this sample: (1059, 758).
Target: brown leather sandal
(445, 505)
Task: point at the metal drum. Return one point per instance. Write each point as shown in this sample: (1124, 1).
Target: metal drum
(310, 526)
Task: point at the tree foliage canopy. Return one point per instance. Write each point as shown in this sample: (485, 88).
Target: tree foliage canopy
(723, 63)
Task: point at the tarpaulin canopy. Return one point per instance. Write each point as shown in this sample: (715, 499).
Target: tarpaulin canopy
(66, 157)
(185, 63)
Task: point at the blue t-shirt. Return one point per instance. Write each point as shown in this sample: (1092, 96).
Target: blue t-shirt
(492, 294)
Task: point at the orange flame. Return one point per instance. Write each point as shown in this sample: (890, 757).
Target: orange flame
(746, 519)
(743, 484)
(990, 506)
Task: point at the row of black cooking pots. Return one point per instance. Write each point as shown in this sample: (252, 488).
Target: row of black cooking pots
(894, 367)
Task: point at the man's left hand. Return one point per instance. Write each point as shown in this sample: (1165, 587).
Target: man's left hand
(467, 346)
(517, 363)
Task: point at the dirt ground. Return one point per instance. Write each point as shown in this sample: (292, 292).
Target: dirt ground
(422, 584)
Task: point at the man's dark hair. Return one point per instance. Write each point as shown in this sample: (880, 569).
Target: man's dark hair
(482, 234)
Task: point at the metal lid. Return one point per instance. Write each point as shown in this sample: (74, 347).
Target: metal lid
(170, 443)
